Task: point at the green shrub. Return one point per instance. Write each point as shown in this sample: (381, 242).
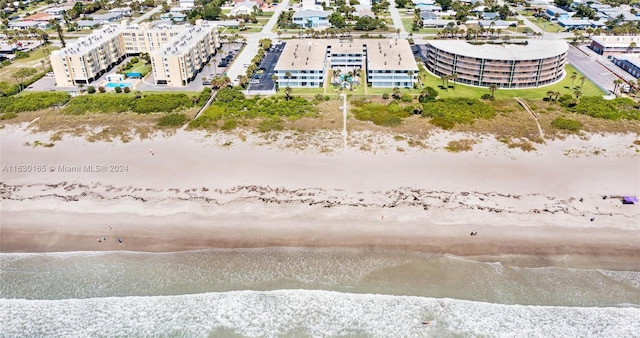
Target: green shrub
(154, 103)
(427, 95)
(445, 113)
(617, 109)
(107, 103)
(231, 104)
(442, 123)
(382, 115)
(32, 101)
(272, 124)
(101, 89)
(227, 95)
(91, 89)
(204, 96)
(229, 124)
(8, 116)
(172, 120)
(118, 90)
(127, 90)
(21, 55)
(486, 96)
(566, 124)
(406, 97)
(385, 96)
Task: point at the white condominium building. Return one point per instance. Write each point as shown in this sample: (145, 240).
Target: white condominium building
(388, 63)
(177, 52)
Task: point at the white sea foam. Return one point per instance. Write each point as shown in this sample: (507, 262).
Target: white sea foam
(306, 313)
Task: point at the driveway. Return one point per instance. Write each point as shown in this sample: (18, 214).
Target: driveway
(239, 65)
(597, 73)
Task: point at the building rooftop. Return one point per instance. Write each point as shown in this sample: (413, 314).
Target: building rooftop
(535, 49)
(87, 43)
(390, 54)
(186, 39)
(633, 59)
(310, 13)
(303, 55)
(38, 17)
(616, 41)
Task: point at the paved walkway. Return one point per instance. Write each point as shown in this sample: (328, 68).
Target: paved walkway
(147, 14)
(397, 20)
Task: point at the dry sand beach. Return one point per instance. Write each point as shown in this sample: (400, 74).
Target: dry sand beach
(201, 191)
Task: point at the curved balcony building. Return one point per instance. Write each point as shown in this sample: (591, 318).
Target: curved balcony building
(537, 63)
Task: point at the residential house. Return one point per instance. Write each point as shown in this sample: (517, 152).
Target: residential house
(311, 18)
(366, 13)
(555, 13)
(432, 20)
(173, 17)
(39, 17)
(108, 17)
(187, 3)
(124, 11)
(244, 8)
(490, 16)
(56, 11)
(497, 24)
(88, 24)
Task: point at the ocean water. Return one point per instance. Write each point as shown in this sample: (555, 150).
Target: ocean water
(275, 292)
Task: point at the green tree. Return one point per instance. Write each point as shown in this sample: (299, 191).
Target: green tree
(23, 73)
(337, 20)
(493, 87)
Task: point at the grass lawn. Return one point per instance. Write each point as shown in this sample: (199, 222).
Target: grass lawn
(564, 87)
(407, 23)
(33, 61)
(140, 67)
(236, 30)
(267, 14)
(545, 25)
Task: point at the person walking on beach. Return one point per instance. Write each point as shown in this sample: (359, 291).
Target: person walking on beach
(151, 152)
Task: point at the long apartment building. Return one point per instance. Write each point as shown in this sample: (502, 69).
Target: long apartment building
(307, 63)
(536, 63)
(616, 44)
(177, 53)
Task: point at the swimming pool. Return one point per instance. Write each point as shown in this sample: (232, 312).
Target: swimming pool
(117, 84)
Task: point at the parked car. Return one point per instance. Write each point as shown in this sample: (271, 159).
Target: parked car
(206, 82)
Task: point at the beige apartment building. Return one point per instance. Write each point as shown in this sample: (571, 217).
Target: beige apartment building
(178, 53)
(534, 64)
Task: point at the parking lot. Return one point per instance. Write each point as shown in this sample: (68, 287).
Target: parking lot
(264, 81)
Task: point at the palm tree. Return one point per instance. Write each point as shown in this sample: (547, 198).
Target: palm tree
(582, 78)
(616, 83)
(493, 88)
(410, 73)
(454, 77)
(573, 78)
(287, 92)
(445, 78)
(577, 93)
(287, 76)
(396, 93)
(80, 87)
(274, 78)
(550, 94)
(335, 74)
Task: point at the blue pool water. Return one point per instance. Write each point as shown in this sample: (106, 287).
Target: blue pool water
(118, 84)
